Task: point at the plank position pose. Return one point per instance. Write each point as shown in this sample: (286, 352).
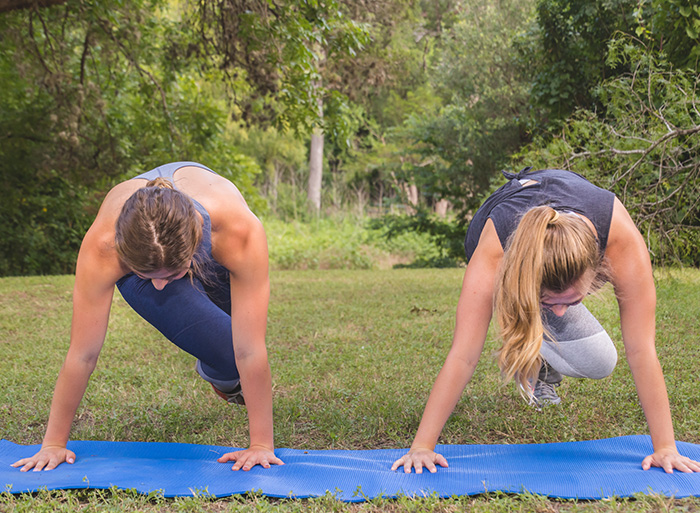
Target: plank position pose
(536, 248)
(189, 256)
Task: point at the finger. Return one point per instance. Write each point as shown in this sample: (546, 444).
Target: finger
(250, 463)
(397, 464)
(71, 457)
(683, 467)
(431, 467)
(646, 463)
(52, 464)
(440, 460)
(229, 456)
(276, 461)
(418, 466)
(28, 466)
(407, 466)
(668, 467)
(19, 463)
(39, 466)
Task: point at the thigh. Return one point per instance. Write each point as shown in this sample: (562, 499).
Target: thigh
(578, 345)
(187, 317)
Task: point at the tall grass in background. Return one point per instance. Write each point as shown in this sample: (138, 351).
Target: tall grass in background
(344, 242)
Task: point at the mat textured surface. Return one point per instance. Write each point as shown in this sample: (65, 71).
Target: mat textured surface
(586, 470)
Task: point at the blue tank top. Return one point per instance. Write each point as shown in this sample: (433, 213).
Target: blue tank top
(564, 191)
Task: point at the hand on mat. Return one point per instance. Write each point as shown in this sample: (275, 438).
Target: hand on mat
(418, 459)
(48, 458)
(668, 460)
(250, 457)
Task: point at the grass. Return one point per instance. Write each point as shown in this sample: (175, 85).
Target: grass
(353, 355)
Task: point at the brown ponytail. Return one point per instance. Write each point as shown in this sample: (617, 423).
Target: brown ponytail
(161, 183)
(548, 250)
(158, 228)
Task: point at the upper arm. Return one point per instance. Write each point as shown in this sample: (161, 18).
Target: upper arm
(97, 271)
(632, 278)
(475, 306)
(241, 247)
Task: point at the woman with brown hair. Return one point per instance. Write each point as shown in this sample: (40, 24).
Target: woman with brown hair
(189, 256)
(536, 248)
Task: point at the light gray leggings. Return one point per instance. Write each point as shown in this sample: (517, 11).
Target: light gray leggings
(583, 349)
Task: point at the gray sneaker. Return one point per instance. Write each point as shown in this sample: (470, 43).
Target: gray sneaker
(544, 394)
(235, 396)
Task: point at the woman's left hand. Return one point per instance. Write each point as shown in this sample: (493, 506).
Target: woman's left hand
(669, 459)
(248, 458)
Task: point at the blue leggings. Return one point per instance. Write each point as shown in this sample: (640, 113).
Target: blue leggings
(194, 317)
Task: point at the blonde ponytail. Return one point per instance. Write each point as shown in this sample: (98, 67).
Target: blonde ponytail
(548, 250)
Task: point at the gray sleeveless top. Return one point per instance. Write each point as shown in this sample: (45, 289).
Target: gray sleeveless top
(564, 191)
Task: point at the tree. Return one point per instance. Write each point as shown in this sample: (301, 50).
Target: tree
(457, 149)
(282, 48)
(91, 95)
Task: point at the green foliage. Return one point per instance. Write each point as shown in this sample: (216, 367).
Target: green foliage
(89, 99)
(282, 48)
(671, 27)
(453, 152)
(446, 234)
(43, 223)
(568, 61)
(347, 243)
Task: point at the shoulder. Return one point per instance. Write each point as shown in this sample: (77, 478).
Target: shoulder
(623, 232)
(626, 248)
(489, 246)
(238, 237)
(97, 252)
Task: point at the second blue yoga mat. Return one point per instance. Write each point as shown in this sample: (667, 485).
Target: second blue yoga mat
(585, 470)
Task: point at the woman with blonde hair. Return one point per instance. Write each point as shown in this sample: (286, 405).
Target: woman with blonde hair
(189, 256)
(536, 248)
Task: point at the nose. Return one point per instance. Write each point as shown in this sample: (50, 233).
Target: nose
(559, 310)
(159, 284)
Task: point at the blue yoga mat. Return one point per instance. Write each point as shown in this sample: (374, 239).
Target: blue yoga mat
(584, 470)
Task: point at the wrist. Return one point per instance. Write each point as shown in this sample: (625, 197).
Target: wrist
(53, 446)
(262, 447)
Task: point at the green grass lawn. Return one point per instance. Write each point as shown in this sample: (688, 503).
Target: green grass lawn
(353, 356)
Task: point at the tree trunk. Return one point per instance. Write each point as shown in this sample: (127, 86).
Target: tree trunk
(316, 166)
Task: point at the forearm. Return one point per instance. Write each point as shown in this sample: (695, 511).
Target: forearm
(70, 388)
(653, 397)
(444, 396)
(256, 384)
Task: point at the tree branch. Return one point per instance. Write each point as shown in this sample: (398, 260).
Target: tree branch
(14, 5)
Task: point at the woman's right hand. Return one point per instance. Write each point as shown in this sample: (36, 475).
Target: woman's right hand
(48, 458)
(419, 458)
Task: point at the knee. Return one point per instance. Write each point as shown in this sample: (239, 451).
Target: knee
(602, 361)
